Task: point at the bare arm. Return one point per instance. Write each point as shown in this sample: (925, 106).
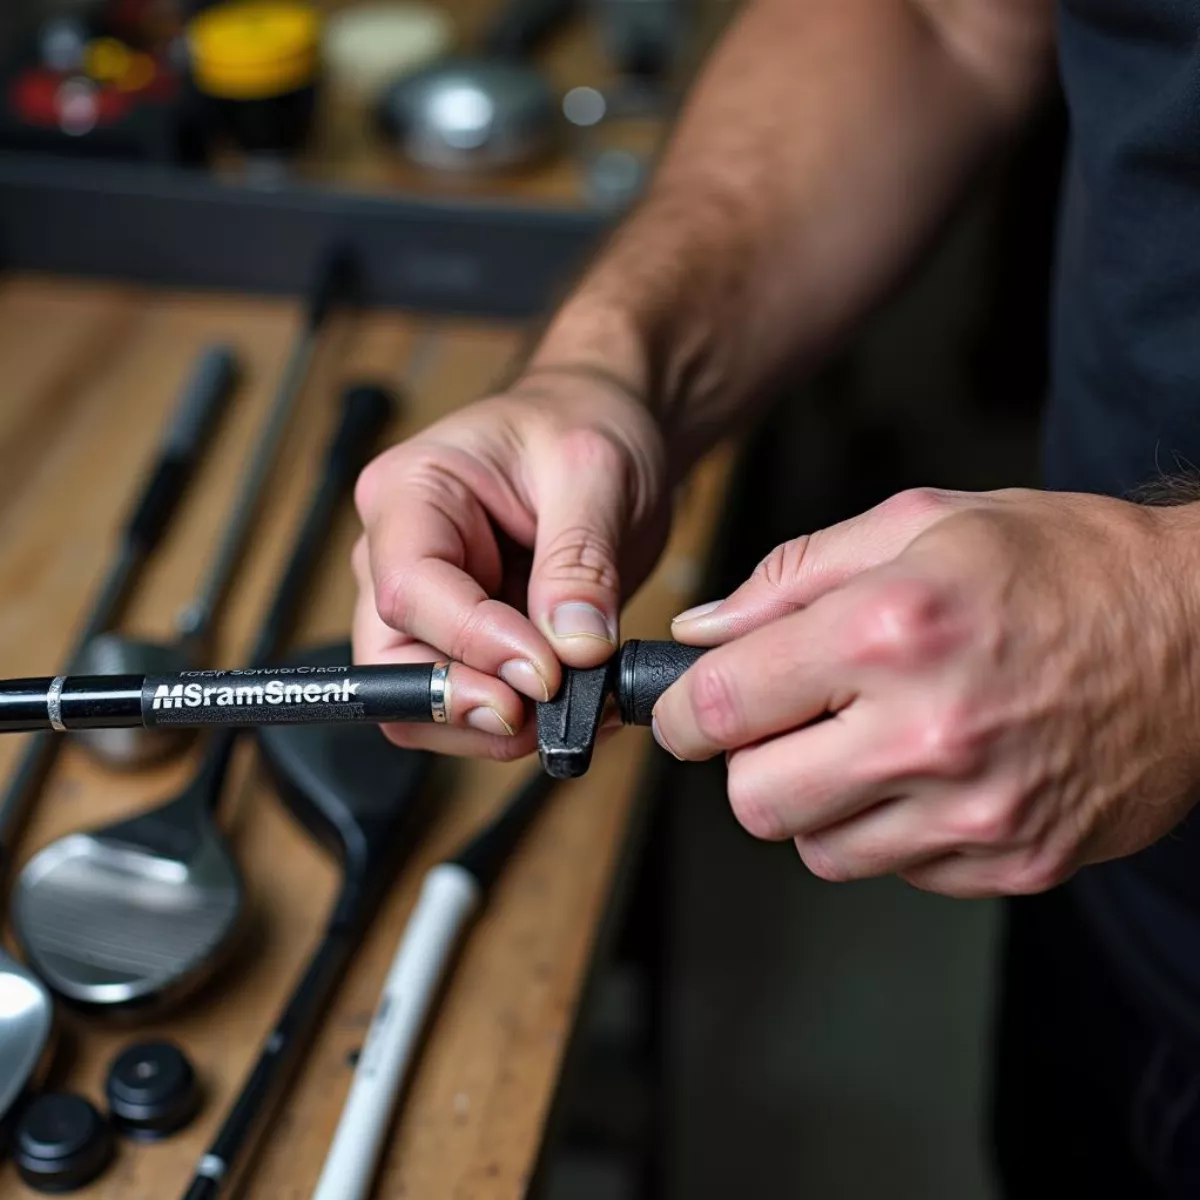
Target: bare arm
(822, 146)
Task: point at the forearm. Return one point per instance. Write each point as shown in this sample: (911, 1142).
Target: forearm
(822, 146)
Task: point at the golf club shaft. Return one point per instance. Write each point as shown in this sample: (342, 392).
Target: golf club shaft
(207, 389)
(255, 696)
(328, 284)
(217, 1172)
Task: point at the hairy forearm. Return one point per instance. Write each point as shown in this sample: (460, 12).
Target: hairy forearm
(822, 146)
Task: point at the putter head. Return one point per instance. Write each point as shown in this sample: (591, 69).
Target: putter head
(135, 914)
(112, 654)
(26, 1022)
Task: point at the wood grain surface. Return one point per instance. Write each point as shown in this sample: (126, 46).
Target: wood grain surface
(89, 373)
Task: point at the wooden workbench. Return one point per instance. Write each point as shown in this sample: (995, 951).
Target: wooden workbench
(89, 373)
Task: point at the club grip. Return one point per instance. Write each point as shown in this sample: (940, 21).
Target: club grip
(209, 386)
(366, 410)
(644, 671)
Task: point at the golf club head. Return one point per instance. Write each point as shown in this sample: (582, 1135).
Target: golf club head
(26, 1023)
(131, 915)
(353, 790)
(112, 654)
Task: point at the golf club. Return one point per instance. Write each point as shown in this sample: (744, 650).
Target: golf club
(141, 911)
(26, 1011)
(114, 653)
(452, 892)
(359, 796)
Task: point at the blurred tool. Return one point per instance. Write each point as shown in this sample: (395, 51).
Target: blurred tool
(451, 894)
(644, 40)
(256, 65)
(359, 796)
(61, 1143)
(26, 1013)
(368, 45)
(116, 654)
(79, 92)
(490, 112)
(152, 1091)
(143, 910)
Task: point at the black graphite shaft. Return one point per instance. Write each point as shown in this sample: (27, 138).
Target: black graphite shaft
(250, 697)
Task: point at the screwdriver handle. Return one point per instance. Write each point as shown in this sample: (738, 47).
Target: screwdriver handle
(644, 671)
(209, 386)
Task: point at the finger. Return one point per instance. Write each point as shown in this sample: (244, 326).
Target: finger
(575, 584)
(897, 835)
(808, 780)
(1021, 872)
(799, 572)
(474, 700)
(431, 565)
(766, 683)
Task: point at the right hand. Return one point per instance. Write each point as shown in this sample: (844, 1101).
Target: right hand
(505, 538)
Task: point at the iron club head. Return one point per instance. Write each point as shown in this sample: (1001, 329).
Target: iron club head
(26, 1022)
(132, 914)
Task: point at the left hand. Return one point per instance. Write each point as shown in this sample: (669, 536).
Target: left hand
(1009, 681)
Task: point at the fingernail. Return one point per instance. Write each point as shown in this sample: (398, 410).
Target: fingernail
(694, 614)
(488, 720)
(522, 676)
(662, 741)
(577, 619)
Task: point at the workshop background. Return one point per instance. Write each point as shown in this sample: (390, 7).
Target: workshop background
(761, 1033)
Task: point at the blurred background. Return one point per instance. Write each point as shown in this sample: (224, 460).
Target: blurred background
(758, 1033)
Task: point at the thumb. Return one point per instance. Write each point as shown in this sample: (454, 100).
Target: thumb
(798, 572)
(575, 584)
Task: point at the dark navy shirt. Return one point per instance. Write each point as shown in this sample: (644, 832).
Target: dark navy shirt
(1125, 405)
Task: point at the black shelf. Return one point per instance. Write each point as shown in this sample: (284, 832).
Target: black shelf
(185, 228)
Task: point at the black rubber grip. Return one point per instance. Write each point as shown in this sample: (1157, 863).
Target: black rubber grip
(288, 695)
(645, 670)
(366, 410)
(209, 386)
(158, 501)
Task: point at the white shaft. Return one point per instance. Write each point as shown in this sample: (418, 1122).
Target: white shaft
(449, 895)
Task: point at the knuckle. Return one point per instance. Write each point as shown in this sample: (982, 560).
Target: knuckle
(592, 452)
(467, 633)
(581, 555)
(987, 820)
(916, 505)
(716, 711)
(781, 569)
(821, 863)
(900, 623)
(949, 745)
(754, 812)
(393, 599)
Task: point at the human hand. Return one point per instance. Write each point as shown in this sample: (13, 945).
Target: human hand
(504, 538)
(979, 692)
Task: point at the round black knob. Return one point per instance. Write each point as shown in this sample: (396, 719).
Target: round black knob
(61, 1143)
(152, 1090)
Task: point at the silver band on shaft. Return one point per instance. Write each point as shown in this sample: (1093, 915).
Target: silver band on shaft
(54, 703)
(439, 692)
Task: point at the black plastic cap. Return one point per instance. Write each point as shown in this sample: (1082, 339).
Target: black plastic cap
(645, 671)
(152, 1090)
(61, 1143)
